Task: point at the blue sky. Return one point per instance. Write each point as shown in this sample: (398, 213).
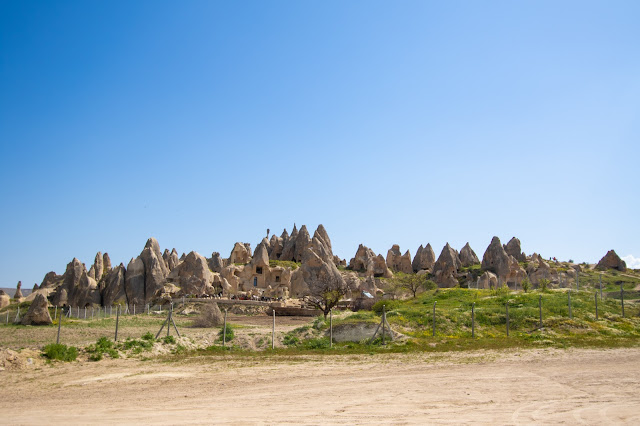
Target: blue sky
(205, 123)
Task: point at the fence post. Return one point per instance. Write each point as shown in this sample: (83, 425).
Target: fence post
(85, 312)
(540, 309)
(596, 297)
(92, 314)
(622, 299)
(434, 318)
(111, 310)
(169, 319)
(331, 328)
(134, 309)
(577, 280)
(7, 317)
(384, 314)
(55, 315)
(507, 308)
(273, 331)
(473, 319)
(17, 315)
(115, 339)
(78, 316)
(59, 325)
(570, 316)
(147, 309)
(600, 285)
(224, 330)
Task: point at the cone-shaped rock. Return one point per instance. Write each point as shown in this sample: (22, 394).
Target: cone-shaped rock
(113, 290)
(38, 313)
(496, 259)
(513, 249)
(612, 261)
(468, 256)
(425, 258)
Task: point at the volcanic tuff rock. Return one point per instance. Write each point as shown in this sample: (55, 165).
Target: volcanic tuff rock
(50, 279)
(276, 244)
(612, 261)
(289, 245)
(38, 313)
(193, 275)
(513, 249)
(488, 280)
(303, 240)
(170, 258)
(134, 281)
(113, 286)
(18, 293)
(35, 287)
(106, 262)
(398, 262)
(314, 271)
(496, 259)
(215, 263)
(446, 267)
(240, 254)
(468, 256)
(365, 259)
(425, 258)
(155, 271)
(77, 289)
(5, 300)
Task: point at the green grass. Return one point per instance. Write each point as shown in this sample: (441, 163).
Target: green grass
(102, 346)
(228, 331)
(284, 264)
(60, 352)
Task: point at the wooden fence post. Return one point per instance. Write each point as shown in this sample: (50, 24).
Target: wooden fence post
(473, 319)
(59, 324)
(331, 328)
(570, 316)
(622, 299)
(224, 330)
(115, 339)
(596, 297)
(434, 318)
(507, 308)
(540, 309)
(273, 331)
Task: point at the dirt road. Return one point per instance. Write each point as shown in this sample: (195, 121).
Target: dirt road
(497, 387)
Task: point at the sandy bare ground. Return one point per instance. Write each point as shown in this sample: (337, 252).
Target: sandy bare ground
(506, 387)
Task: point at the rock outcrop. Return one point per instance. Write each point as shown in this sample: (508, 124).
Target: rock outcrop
(5, 300)
(170, 258)
(488, 280)
(240, 254)
(289, 245)
(314, 273)
(424, 259)
(303, 241)
(193, 276)
(155, 270)
(446, 267)
(113, 286)
(38, 313)
(18, 293)
(134, 281)
(612, 261)
(398, 262)
(216, 263)
(468, 256)
(513, 249)
(496, 259)
(366, 260)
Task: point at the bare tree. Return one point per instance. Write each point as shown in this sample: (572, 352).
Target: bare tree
(326, 289)
(413, 282)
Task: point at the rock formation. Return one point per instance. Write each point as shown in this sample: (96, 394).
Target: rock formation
(5, 300)
(612, 261)
(488, 280)
(192, 276)
(18, 293)
(240, 254)
(314, 272)
(134, 281)
(446, 267)
(513, 249)
(216, 263)
(113, 286)
(424, 259)
(398, 262)
(38, 313)
(496, 259)
(35, 287)
(276, 245)
(289, 245)
(468, 256)
(303, 240)
(170, 258)
(106, 262)
(155, 270)
(366, 260)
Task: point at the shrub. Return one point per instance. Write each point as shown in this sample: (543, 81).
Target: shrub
(101, 347)
(290, 340)
(61, 352)
(169, 340)
(544, 284)
(320, 323)
(320, 343)
(148, 336)
(228, 332)
(526, 285)
(389, 305)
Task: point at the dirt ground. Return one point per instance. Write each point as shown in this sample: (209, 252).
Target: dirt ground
(543, 386)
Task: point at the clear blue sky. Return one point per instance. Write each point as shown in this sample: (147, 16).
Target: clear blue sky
(203, 123)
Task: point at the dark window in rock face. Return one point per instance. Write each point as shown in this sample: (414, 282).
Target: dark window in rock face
(255, 281)
(277, 278)
(259, 270)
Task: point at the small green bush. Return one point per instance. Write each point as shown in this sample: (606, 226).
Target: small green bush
(290, 340)
(169, 340)
(61, 352)
(101, 347)
(228, 332)
(544, 284)
(148, 336)
(319, 343)
(526, 285)
(389, 305)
